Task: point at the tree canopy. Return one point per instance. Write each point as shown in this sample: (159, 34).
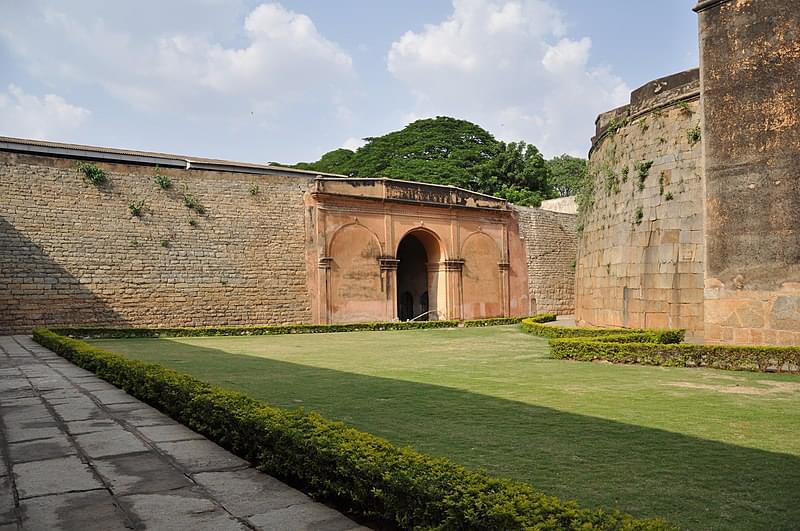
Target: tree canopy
(566, 174)
(455, 152)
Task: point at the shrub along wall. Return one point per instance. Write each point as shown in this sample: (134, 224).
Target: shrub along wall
(360, 473)
(116, 333)
(534, 325)
(738, 358)
(659, 347)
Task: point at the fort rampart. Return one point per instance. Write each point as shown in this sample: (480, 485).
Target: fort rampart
(692, 219)
(242, 244)
(640, 258)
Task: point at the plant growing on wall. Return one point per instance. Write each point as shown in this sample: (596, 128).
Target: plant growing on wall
(694, 135)
(662, 178)
(93, 173)
(643, 169)
(612, 182)
(615, 125)
(638, 216)
(136, 207)
(192, 203)
(254, 190)
(163, 181)
(684, 107)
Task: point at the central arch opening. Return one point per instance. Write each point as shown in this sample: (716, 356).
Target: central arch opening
(418, 255)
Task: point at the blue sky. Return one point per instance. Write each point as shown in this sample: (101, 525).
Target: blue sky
(288, 81)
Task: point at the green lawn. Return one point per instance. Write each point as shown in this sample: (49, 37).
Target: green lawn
(705, 449)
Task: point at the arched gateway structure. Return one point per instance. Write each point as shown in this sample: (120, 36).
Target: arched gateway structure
(381, 249)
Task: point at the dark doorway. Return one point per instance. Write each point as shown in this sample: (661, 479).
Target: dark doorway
(405, 306)
(412, 279)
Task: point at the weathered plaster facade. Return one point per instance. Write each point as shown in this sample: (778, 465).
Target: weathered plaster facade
(750, 57)
(469, 263)
(711, 241)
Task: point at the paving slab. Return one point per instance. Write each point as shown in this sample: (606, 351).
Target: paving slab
(169, 433)
(201, 456)
(26, 430)
(77, 427)
(54, 476)
(113, 396)
(249, 492)
(22, 401)
(180, 510)
(144, 416)
(110, 442)
(50, 383)
(79, 409)
(39, 449)
(84, 511)
(95, 385)
(14, 384)
(140, 473)
(62, 395)
(21, 413)
(7, 514)
(304, 517)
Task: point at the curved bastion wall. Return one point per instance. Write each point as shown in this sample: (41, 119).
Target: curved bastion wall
(640, 258)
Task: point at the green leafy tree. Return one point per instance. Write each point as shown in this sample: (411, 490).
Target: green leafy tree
(447, 151)
(336, 161)
(567, 174)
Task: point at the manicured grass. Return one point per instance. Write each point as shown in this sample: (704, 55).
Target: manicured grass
(705, 449)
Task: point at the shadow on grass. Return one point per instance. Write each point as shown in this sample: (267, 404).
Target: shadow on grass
(695, 483)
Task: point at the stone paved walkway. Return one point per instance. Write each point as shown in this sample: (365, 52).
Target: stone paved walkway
(76, 453)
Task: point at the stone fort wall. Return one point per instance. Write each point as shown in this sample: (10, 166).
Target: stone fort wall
(710, 241)
(640, 258)
(72, 252)
(551, 245)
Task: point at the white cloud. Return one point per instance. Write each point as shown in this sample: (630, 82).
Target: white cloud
(45, 117)
(509, 66)
(279, 57)
(567, 55)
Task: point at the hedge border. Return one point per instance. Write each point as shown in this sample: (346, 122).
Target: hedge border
(534, 326)
(358, 472)
(727, 357)
(659, 347)
(267, 330)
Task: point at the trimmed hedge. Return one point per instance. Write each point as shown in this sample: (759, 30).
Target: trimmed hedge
(617, 335)
(729, 357)
(360, 473)
(266, 330)
(500, 321)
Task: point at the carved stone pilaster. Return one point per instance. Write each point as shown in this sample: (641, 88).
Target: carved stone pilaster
(454, 265)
